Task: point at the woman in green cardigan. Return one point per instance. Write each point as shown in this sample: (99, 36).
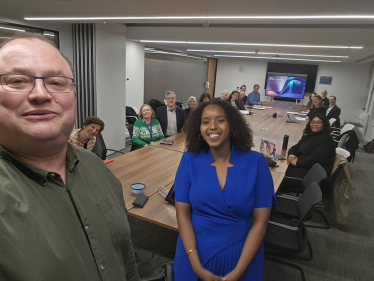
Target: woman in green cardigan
(147, 129)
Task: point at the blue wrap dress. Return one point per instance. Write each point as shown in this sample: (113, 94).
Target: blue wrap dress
(222, 219)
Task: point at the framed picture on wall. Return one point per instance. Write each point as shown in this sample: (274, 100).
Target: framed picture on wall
(326, 80)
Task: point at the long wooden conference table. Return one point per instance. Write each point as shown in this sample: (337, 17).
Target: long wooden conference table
(157, 164)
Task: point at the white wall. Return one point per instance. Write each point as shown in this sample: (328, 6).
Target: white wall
(229, 77)
(135, 74)
(350, 82)
(111, 82)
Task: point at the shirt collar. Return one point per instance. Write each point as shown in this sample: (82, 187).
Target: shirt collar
(34, 173)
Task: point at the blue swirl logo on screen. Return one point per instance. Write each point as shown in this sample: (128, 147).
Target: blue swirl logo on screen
(293, 85)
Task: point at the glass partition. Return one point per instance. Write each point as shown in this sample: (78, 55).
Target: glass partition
(8, 29)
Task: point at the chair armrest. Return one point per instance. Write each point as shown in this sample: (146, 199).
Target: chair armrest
(288, 197)
(293, 228)
(287, 177)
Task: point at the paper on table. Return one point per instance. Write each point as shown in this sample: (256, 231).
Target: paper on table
(245, 112)
(291, 112)
(300, 118)
(257, 107)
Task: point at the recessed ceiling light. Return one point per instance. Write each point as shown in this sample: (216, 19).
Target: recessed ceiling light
(13, 29)
(251, 44)
(262, 53)
(272, 58)
(171, 53)
(267, 17)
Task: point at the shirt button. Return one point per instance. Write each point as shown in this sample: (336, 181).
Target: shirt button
(53, 175)
(86, 227)
(102, 267)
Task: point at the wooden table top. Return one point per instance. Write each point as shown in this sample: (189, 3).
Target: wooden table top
(178, 145)
(151, 166)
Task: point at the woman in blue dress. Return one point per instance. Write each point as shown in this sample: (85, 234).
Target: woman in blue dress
(224, 192)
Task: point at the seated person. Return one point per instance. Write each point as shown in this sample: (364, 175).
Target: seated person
(191, 105)
(242, 99)
(333, 111)
(224, 95)
(147, 129)
(171, 117)
(243, 88)
(205, 97)
(234, 99)
(86, 137)
(315, 146)
(325, 99)
(254, 97)
(317, 107)
(310, 102)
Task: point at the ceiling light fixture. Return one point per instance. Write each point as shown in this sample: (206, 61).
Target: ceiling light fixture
(272, 58)
(268, 17)
(250, 44)
(13, 29)
(171, 53)
(262, 53)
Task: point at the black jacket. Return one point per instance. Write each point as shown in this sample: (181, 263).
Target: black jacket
(315, 110)
(162, 117)
(315, 148)
(351, 144)
(335, 113)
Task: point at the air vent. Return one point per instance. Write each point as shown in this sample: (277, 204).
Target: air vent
(366, 59)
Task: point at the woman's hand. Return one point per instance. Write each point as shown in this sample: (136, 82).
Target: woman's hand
(292, 159)
(206, 275)
(232, 276)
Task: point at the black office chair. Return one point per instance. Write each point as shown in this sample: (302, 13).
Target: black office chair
(287, 203)
(155, 104)
(180, 104)
(168, 276)
(100, 147)
(315, 174)
(288, 237)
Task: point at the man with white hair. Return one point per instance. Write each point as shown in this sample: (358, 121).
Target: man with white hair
(325, 99)
(224, 95)
(171, 116)
(62, 213)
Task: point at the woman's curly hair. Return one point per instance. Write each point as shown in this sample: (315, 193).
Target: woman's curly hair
(241, 135)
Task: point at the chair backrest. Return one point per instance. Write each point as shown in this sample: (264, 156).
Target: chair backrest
(315, 174)
(311, 196)
(343, 140)
(100, 147)
(332, 121)
(155, 104)
(347, 127)
(131, 115)
(342, 152)
(179, 104)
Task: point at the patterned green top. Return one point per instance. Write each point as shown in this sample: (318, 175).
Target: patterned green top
(141, 135)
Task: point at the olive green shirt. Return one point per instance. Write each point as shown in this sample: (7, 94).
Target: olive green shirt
(73, 232)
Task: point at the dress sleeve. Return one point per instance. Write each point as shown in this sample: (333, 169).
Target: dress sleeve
(264, 190)
(182, 182)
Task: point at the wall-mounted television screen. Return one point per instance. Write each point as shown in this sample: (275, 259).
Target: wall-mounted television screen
(285, 85)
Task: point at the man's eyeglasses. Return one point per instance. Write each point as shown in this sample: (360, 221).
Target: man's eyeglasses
(26, 83)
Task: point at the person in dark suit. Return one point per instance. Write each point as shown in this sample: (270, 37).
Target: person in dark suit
(333, 111)
(325, 99)
(171, 117)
